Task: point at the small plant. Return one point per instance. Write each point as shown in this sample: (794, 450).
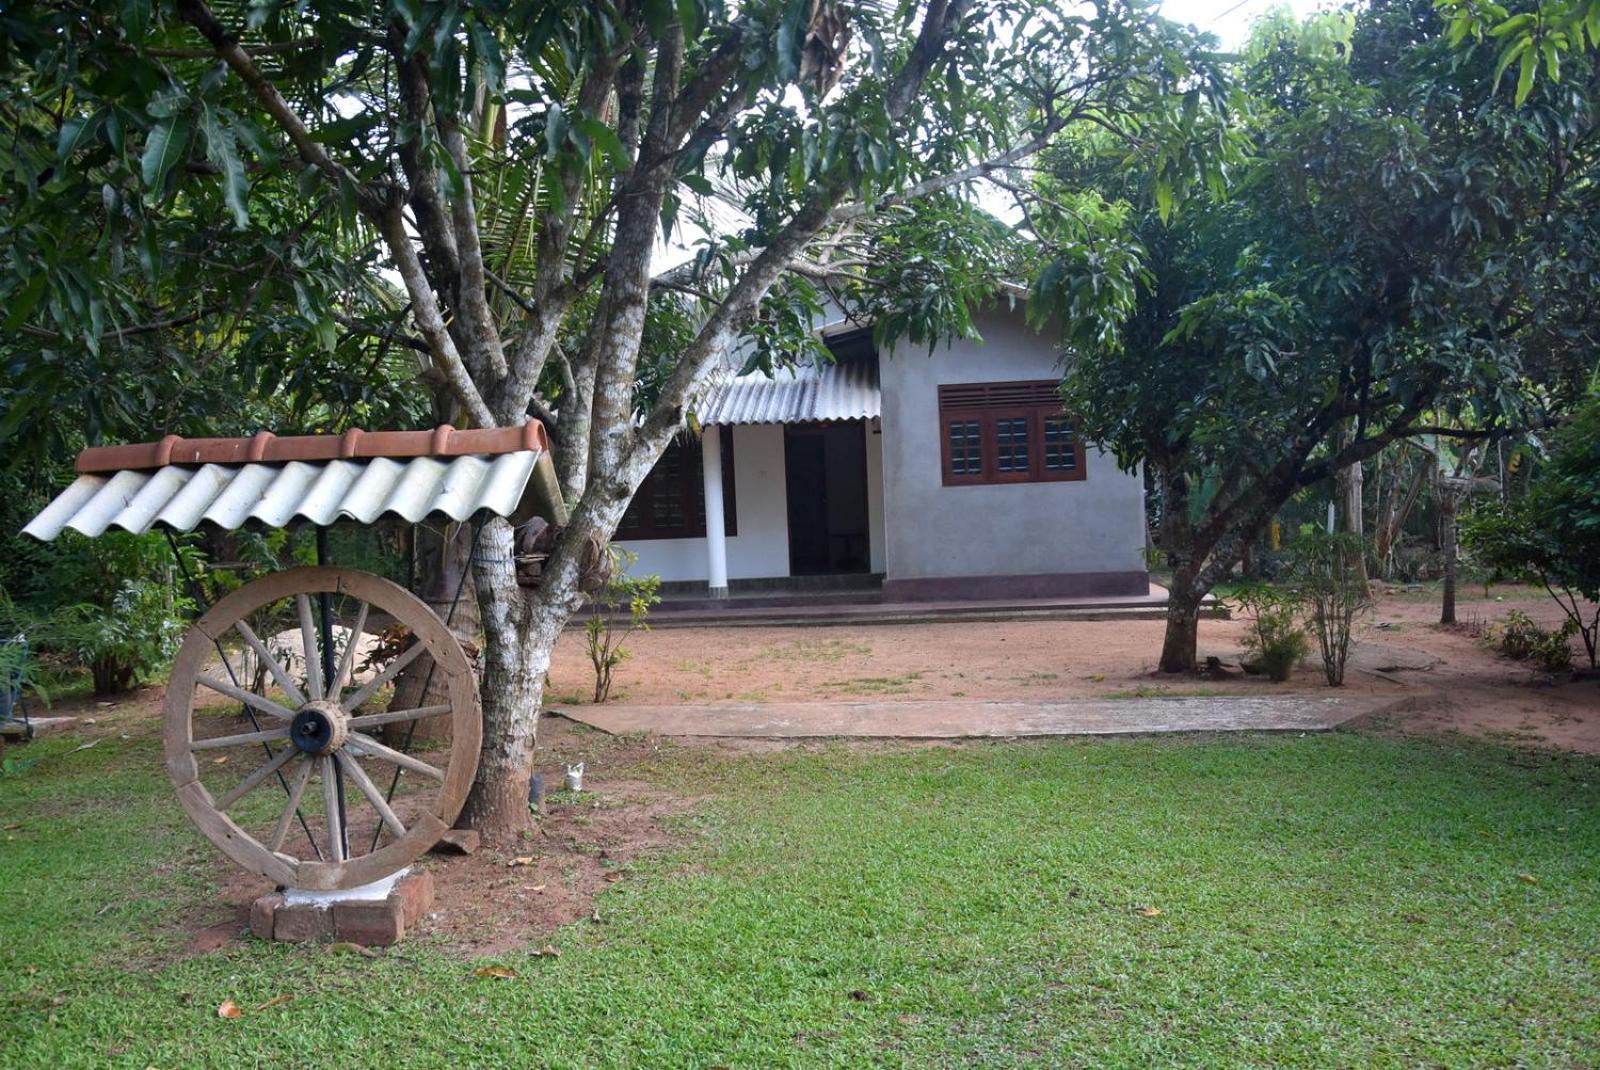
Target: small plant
(1519, 636)
(1274, 638)
(1327, 576)
(1521, 639)
(633, 595)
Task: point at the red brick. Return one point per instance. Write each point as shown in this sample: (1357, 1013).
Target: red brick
(261, 914)
(414, 894)
(375, 923)
(300, 923)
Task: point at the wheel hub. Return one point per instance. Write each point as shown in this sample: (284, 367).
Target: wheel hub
(319, 728)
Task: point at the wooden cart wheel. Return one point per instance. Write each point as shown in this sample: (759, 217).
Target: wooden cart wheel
(299, 727)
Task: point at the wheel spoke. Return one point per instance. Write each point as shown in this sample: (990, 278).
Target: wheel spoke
(370, 790)
(330, 802)
(373, 720)
(389, 672)
(219, 742)
(308, 639)
(369, 747)
(279, 672)
(347, 660)
(297, 788)
(249, 698)
(249, 783)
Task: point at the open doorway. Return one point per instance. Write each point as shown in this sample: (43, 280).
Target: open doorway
(826, 474)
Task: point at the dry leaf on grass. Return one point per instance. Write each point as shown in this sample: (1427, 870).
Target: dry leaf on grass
(495, 971)
(276, 1001)
(1148, 912)
(549, 951)
(353, 949)
(1527, 878)
(229, 1009)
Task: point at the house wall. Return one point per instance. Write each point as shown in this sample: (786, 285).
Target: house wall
(761, 549)
(1069, 538)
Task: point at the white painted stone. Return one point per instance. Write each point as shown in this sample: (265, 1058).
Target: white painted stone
(376, 892)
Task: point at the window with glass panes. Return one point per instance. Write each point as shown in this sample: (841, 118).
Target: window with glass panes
(1007, 433)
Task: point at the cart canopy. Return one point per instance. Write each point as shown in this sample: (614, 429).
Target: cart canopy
(267, 481)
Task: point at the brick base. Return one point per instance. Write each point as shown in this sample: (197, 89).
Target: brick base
(368, 922)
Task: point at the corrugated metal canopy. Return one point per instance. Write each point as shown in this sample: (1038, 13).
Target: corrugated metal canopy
(228, 496)
(847, 390)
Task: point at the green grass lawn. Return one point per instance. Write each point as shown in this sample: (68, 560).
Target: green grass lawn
(1337, 900)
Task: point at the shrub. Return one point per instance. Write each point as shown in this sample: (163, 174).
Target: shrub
(1327, 574)
(1277, 642)
(603, 640)
(1520, 638)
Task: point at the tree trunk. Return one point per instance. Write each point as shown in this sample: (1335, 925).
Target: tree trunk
(1351, 484)
(520, 632)
(1178, 649)
(1447, 541)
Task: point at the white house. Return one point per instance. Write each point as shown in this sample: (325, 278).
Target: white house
(945, 476)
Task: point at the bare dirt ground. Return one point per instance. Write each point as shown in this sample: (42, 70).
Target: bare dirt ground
(1471, 689)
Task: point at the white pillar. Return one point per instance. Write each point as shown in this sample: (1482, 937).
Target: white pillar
(716, 531)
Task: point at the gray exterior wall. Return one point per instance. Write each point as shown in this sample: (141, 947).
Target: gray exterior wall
(1081, 537)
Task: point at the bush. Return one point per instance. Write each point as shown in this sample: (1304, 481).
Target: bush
(1326, 570)
(1276, 641)
(122, 617)
(1521, 639)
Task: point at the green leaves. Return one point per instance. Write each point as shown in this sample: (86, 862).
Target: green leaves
(222, 148)
(166, 144)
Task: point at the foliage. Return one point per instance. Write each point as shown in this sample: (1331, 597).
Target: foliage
(622, 594)
(1525, 37)
(1277, 642)
(123, 616)
(1326, 572)
(1381, 267)
(1521, 638)
(1551, 535)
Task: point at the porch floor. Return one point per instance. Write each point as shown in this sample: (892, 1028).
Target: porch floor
(958, 719)
(866, 606)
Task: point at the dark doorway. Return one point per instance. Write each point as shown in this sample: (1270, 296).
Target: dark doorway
(826, 471)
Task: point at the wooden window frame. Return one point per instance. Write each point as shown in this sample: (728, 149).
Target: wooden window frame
(692, 484)
(1033, 400)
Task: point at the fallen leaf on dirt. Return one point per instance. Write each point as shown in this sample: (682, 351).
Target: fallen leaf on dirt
(549, 951)
(1148, 912)
(276, 1001)
(537, 888)
(1527, 878)
(347, 947)
(1098, 677)
(520, 860)
(220, 761)
(229, 1009)
(495, 971)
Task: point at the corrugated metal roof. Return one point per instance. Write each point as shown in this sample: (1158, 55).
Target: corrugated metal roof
(843, 391)
(229, 496)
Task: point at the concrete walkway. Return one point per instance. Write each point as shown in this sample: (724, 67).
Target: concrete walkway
(958, 719)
